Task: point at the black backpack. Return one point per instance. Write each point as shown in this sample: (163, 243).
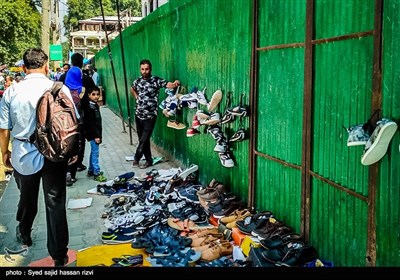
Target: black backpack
(57, 129)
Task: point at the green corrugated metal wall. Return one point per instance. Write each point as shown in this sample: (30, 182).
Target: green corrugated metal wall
(208, 43)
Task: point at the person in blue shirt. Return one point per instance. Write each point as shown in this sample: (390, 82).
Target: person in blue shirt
(18, 120)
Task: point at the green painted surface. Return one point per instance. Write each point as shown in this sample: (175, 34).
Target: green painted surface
(207, 43)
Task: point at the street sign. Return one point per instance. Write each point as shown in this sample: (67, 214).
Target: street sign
(56, 52)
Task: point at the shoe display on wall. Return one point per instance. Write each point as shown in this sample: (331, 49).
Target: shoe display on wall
(377, 145)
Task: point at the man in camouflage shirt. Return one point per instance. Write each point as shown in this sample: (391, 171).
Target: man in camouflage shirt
(145, 89)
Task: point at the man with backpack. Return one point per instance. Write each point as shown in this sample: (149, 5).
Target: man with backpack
(18, 119)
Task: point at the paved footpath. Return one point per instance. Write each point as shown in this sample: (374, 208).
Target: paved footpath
(85, 225)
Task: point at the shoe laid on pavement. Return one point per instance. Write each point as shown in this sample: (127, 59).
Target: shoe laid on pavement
(185, 173)
(175, 124)
(377, 145)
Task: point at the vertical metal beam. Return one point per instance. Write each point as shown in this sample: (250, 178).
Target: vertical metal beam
(124, 68)
(373, 176)
(307, 123)
(46, 26)
(112, 67)
(253, 105)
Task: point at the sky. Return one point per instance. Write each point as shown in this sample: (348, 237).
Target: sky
(63, 11)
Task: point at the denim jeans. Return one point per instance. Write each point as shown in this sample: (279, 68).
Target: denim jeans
(53, 176)
(94, 166)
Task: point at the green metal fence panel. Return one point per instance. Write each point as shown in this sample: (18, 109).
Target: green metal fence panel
(388, 197)
(338, 226)
(208, 44)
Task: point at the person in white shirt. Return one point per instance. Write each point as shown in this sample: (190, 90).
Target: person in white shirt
(31, 168)
(95, 77)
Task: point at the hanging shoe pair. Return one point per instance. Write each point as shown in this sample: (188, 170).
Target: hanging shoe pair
(377, 145)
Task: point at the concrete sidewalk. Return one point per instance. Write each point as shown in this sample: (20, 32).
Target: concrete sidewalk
(85, 225)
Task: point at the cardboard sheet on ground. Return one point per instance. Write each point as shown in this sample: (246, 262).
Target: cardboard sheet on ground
(48, 261)
(79, 203)
(99, 255)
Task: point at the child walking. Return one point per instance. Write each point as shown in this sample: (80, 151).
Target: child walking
(93, 132)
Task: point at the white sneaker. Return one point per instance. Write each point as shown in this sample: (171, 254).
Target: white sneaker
(214, 119)
(378, 143)
(215, 100)
(226, 160)
(221, 147)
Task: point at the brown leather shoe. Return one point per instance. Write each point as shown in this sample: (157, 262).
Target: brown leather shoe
(203, 232)
(217, 251)
(206, 239)
(209, 245)
(235, 215)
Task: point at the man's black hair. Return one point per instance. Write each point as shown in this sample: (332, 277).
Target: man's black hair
(35, 58)
(77, 60)
(145, 61)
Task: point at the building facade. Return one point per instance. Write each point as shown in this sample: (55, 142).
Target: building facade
(91, 34)
(149, 6)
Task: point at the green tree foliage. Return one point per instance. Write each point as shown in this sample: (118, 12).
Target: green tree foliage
(20, 29)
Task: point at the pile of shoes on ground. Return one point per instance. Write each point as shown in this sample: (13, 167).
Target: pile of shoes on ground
(168, 213)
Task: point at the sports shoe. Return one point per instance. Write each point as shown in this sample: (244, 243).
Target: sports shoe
(221, 147)
(201, 98)
(213, 119)
(192, 132)
(215, 100)
(238, 111)
(377, 145)
(99, 177)
(227, 118)
(81, 167)
(175, 124)
(69, 179)
(195, 123)
(185, 173)
(358, 135)
(22, 239)
(239, 135)
(215, 132)
(226, 160)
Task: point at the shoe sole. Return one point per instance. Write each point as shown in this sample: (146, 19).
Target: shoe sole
(215, 100)
(379, 148)
(356, 143)
(188, 171)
